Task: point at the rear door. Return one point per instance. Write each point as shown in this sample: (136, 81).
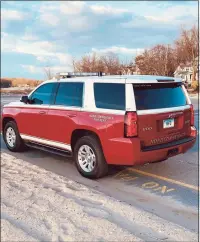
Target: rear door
(63, 113)
(163, 113)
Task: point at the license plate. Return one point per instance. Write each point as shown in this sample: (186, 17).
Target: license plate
(168, 123)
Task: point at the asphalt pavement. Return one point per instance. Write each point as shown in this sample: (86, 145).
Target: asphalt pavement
(168, 189)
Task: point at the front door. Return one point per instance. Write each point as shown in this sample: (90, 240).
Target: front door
(33, 118)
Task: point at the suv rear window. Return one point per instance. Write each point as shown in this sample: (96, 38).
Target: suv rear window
(155, 96)
(109, 95)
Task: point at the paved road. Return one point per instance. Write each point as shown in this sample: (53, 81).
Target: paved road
(168, 189)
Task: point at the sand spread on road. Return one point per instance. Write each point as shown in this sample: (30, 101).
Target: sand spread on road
(38, 205)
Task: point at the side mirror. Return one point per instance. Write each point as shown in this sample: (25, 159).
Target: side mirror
(24, 99)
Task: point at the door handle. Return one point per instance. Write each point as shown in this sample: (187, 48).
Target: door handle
(42, 112)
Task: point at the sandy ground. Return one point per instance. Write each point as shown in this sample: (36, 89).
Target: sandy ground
(38, 205)
(16, 90)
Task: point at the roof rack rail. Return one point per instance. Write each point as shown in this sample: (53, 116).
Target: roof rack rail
(62, 75)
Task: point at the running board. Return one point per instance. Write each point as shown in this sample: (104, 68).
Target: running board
(50, 149)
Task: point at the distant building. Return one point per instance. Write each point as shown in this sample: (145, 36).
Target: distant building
(185, 71)
(198, 67)
(130, 70)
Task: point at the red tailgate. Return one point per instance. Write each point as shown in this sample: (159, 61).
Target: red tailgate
(151, 130)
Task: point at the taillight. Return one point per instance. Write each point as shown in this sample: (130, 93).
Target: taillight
(191, 115)
(130, 125)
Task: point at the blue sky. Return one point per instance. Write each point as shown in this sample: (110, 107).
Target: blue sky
(41, 33)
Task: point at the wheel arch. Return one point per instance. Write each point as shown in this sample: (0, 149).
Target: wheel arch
(78, 133)
(6, 120)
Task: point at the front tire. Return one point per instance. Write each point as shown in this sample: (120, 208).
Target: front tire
(12, 138)
(89, 158)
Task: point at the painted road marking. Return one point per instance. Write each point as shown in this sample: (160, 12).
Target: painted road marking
(160, 178)
(132, 178)
(156, 187)
(150, 185)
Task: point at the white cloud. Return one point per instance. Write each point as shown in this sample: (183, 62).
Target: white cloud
(181, 10)
(56, 69)
(8, 14)
(72, 7)
(40, 48)
(80, 23)
(44, 51)
(48, 7)
(7, 43)
(173, 13)
(145, 23)
(65, 16)
(50, 19)
(119, 50)
(159, 19)
(32, 69)
(29, 37)
(100, 9)
(43, 59)
(64, 58)
(40, 69)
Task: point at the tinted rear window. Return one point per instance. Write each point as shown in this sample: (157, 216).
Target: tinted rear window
(109, 95)
(157, 96)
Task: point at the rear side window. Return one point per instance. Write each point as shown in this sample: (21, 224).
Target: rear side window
(155, 96)
(109, 95)
(70, 94)
(43, 94)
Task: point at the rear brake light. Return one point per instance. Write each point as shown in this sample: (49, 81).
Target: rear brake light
(192, 115)
(130, 125)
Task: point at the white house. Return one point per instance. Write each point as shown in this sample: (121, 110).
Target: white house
(198, 67)
(185, 71)
(130, 70)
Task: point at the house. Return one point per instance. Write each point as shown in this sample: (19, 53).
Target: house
(185, 71)
(130, 70)
(198, 67)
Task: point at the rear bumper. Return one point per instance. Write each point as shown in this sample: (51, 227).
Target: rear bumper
(129, 152)
(168, 145)
(164, 153)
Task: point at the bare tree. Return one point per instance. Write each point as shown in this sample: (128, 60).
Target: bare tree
(186, 48)
(108, 63)
(163, 60)
(48, 72)
(159, 60)
(88, 63)
(111, 63)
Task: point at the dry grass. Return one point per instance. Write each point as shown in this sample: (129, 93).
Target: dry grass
(21, 82)
(17, 91)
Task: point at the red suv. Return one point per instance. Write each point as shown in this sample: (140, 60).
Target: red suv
(101, 120)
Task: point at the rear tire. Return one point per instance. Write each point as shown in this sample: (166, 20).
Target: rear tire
(89, 158)
(12, 137)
